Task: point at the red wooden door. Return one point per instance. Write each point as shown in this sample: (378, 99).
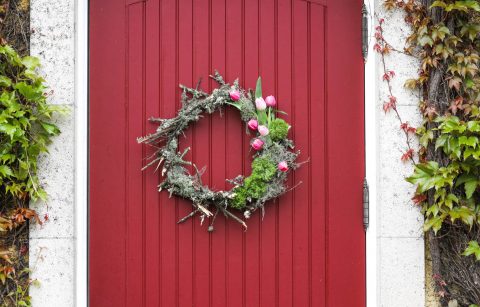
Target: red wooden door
(310, 248)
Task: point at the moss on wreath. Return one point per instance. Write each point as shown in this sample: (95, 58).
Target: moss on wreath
(255, 185)
(278, 129)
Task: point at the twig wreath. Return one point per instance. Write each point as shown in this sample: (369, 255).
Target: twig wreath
(273, 157)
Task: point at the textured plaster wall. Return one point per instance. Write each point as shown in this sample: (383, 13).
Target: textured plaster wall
(52, 245)
(401, 268)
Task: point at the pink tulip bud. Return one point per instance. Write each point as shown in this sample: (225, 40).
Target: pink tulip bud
(283, 166)
(234, 95)
(270, 101)
(257, 144)
(260, 103)
(263, 130)
(252, 124)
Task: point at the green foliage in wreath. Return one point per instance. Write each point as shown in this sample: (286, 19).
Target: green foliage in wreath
(272, 158)
(263, 170)
(278, 129)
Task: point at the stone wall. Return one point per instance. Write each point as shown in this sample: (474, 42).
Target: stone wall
(400, 264)
(52, 257)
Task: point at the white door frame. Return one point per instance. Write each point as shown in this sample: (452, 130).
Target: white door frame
(81, 153)
(371, 138)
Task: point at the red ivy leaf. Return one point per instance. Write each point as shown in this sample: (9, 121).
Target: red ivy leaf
(407, 128)
(407, 155)
(419, 198)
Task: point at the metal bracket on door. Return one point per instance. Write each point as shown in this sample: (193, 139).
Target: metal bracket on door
(365, 32)
(366, 204)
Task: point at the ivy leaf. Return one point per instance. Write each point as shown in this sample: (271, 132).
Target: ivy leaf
(424, 176)
(8, 129)
(470, 30)
(425, 40)
(464, 213)
(5, 81)
(51, 129)
(434, 223)
(30, 62)
(438, 4)
(258, 90)
(5, 171)
(470, 183)
(472, 249)
(441, 141)
(470, 187)
(30, 92)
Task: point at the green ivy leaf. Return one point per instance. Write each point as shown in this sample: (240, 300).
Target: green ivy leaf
(425, 40)
(30, 92)
(438, 4)
(424, 176)
(5, 81)
(472, 249)
(434, 223)
(470, 187)
(5, 171)
(8, 130)
(30, 62)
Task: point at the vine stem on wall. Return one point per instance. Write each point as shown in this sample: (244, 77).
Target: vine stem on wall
(383, 49)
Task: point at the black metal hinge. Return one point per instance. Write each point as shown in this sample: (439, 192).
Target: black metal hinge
(366, 204)
(364, 32)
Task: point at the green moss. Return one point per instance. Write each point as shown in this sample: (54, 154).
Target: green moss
(255, 186)
(240, 199)
(278, 129)
(263, 168)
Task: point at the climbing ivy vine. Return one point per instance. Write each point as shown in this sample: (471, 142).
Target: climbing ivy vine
(445, 39)
(26, 129)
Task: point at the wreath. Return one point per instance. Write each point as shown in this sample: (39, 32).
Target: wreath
(273, 157)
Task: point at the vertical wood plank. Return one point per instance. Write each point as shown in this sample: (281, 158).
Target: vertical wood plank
(152, 204)
(345, 120)
(168, 94)
(202, 144)
(184, 16)
(107, 83)
(219, 255)
(234, 151)
(252, 236)
(134, 156)
(317, 148)
(300, 125)
(285, 103)
(267, 57)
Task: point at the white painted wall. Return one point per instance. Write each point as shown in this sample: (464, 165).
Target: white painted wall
(52, 246)
(395, 239)
(400, 246)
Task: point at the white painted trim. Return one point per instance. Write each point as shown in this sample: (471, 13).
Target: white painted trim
(81, 153)
(371, 162)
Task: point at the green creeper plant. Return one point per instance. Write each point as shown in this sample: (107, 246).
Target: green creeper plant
(26, 129)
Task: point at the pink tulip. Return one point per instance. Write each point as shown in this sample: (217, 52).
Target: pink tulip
(260, 103)
(263, 130)
(283, 166)
(252, 124)
(257, 144)
(234, 95)
(270, 101)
